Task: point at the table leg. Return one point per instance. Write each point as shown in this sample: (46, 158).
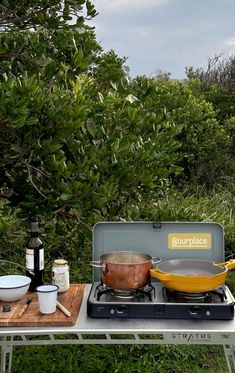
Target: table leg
(6, 356)
(229, 351)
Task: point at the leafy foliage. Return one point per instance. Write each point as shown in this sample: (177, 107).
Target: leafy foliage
(80, 142)
(199, 133)
(32, 120)
(220, 72)
(110, 68)
(51, 14)
(55, 56)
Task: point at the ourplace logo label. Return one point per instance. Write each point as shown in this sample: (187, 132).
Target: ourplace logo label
(189, 240)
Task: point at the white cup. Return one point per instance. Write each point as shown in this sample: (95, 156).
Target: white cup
(47, 298)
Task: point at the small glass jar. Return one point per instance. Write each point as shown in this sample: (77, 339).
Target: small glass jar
(60, 274)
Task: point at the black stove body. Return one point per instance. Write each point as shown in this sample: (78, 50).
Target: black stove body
(157, 302)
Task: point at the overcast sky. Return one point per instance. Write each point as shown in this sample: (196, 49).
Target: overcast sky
(165, 35)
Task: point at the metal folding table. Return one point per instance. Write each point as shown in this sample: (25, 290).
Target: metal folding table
(122, 331)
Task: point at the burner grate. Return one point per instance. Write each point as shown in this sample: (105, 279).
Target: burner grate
(213, 296)
(148, 291)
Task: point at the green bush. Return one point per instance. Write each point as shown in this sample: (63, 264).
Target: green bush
(203, 141)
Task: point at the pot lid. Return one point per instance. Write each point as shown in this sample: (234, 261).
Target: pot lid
(165, 240)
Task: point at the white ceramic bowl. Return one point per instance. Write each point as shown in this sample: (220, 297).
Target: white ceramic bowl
(13, 287)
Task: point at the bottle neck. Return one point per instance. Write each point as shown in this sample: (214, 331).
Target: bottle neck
(34, 234)
(34, 228)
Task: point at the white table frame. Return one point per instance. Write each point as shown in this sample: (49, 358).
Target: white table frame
(121, 331)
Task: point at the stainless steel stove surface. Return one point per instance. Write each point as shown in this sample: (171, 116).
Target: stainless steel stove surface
(157, 302)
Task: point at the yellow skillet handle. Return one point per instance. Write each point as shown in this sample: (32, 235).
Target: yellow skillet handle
(161, 276)
(230, 264)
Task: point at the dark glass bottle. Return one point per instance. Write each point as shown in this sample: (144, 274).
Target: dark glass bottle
(34, 257)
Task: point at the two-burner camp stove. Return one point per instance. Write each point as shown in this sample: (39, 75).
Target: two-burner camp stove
(166, 240)
(157, 302)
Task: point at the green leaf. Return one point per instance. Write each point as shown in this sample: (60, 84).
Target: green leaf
(32, 120)
(65, 197)
(114, 85)
(131, 98)
(101, 97)
(19, 122)
(16, 148)
(91, 11)
(78, 56)
(91, 129)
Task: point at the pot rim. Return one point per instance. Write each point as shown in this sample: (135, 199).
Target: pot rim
(223, 269)
(150, 258)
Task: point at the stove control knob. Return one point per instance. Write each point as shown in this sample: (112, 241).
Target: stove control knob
(195, 311)
(112, 311)
(208, 313)
(122, 310)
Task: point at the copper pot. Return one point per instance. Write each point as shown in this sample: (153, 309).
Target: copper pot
(125, 270)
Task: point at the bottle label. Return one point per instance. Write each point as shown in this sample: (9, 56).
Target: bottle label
(41, 259)
(61, 278)
(30, 259)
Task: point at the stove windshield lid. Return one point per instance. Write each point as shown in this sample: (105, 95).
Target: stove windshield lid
(164, 240)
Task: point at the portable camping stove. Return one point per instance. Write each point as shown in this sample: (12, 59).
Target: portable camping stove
(157, 302)
(165, 240)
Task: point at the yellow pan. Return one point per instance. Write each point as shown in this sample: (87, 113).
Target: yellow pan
(192, 276)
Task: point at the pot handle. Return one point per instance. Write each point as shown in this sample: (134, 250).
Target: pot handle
(155, 260)
(160, 275)
(230, 264)
(97, 264)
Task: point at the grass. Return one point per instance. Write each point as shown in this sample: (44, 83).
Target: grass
(119, 359)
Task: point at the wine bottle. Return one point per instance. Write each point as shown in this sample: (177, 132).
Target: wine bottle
(34, 257)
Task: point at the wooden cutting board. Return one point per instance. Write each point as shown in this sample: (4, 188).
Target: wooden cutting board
(71, 300)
